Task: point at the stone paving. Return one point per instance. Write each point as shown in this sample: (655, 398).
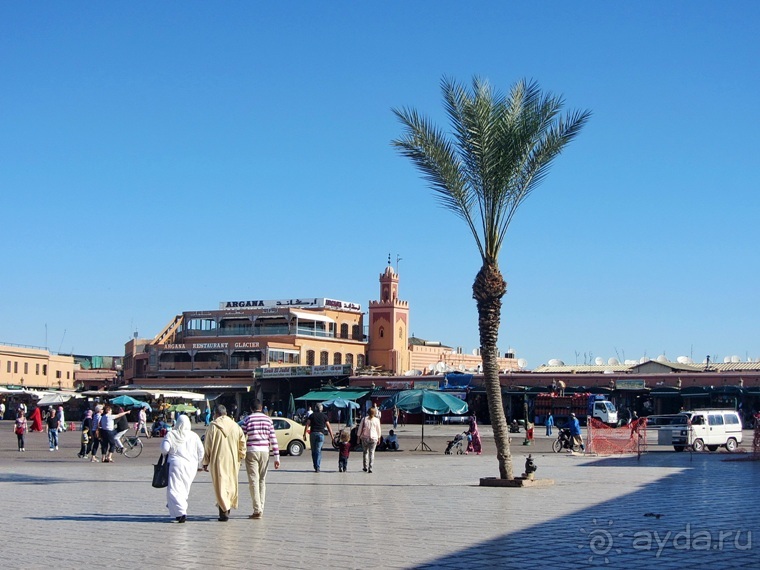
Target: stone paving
(417, 510)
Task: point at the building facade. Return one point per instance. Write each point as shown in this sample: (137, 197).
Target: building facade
(35, 368)
(273, 349)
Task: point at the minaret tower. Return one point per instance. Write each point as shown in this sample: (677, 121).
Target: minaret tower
(388, 345)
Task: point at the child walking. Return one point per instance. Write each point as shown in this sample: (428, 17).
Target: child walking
(344, 450)
(85, 441)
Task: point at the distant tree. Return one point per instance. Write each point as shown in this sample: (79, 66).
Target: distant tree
(499, 149)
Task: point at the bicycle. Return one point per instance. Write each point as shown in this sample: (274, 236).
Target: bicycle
(133, 446)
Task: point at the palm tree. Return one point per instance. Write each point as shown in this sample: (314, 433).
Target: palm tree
(499, 150)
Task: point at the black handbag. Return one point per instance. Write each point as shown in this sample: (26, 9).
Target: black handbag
(161, 473)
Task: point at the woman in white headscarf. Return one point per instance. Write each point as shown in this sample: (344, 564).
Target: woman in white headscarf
(185, 456)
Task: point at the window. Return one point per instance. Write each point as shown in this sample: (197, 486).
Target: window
(15, 367)
(732, 419)
(350, 359)
(715, 420)
(323, 357)
(68, 375)
(37, 371)
(309, 358)
(356, 332)
(344, 330)
(9, 367)
(44, 369)
(382, 332)
(401, 333)
(57, 374)
(360, 361)
(26, 368)
(337, 358)
(284, 356)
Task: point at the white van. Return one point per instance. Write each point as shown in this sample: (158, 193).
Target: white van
(709, 429)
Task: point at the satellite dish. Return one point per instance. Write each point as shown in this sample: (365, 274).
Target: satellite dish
(431, 367)
(613, 361)
(726, 359)
(643, 359)
(735, 359)
(682, 360)
(599, 361)
(461, 367)
(556, 362)
(522, 363)
(662, 358)
(630, 362)
(476, 352)
(440, 367)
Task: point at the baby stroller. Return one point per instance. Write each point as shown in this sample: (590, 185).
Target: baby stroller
(455, 445)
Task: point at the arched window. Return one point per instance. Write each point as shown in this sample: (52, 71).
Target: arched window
(344, 330)
(323, 356)
(356, 332)
(360, 361)
(350, 360)
(309, 358)
(337, 358)
(382, 332)
(401, 333)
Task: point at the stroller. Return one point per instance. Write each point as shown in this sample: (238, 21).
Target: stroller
(455, 445)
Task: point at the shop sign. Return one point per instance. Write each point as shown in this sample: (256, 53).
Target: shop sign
(630, 384)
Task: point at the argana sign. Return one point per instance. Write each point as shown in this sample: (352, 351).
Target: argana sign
(314, 302)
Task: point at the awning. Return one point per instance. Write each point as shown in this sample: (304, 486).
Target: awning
(306, 316)
(322, 395)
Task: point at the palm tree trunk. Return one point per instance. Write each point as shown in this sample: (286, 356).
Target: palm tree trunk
(488, 289)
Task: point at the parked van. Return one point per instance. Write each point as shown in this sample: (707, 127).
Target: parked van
(709, 428)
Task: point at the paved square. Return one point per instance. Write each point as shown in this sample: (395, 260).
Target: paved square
(418, 510)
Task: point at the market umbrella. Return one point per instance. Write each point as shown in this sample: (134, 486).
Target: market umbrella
(432, 402)
(186, 408)
(343, 404)
(130, 402)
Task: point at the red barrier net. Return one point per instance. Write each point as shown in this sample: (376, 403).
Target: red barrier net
(606, 440)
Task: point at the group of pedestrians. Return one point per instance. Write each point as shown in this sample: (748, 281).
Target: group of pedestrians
(102, 429)
(225, 446)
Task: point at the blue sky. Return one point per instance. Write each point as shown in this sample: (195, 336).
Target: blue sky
(163, 157)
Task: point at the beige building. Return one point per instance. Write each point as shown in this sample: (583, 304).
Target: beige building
(35, 368)
(434, 357)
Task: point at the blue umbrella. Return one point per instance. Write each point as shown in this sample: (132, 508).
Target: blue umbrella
(130, 402)
(422, 401)
(343, 404)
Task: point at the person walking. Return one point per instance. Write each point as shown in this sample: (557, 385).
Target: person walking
(52, 423)
(224, 449)
(473, 443)
(108, 433)
(20, 428)
(142, 424)
(95, 437)
(369, 434)
(549, 424)
(184, 452)
(318, 423)
(260, 439)
(395, 417)
(344, 450)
